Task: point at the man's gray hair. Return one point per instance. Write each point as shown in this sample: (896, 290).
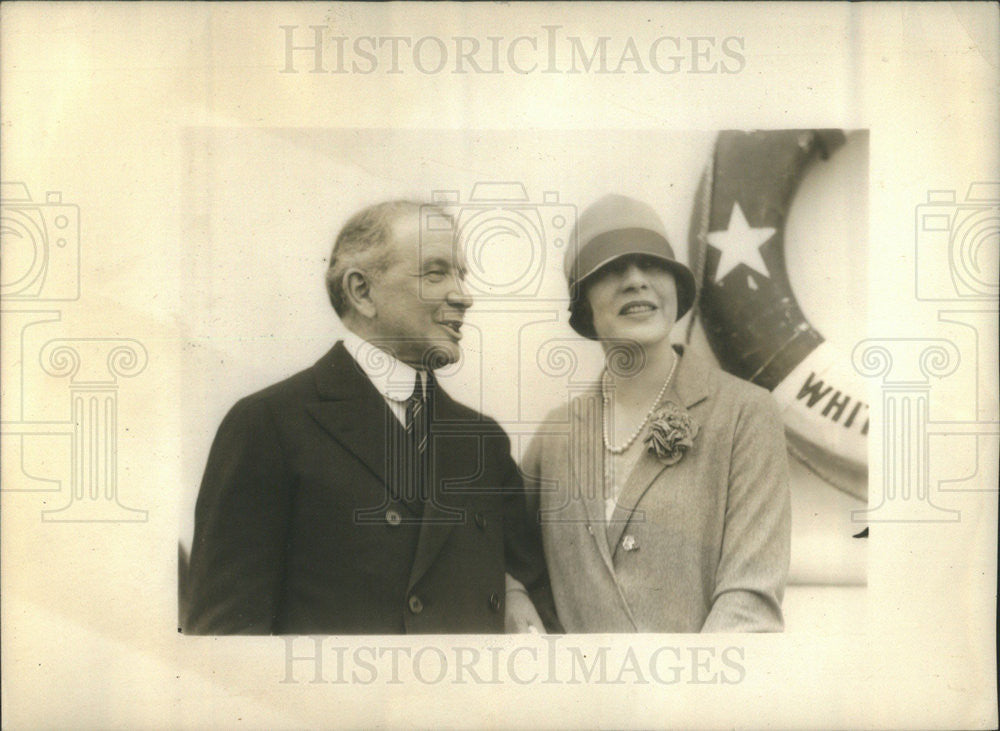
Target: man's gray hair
(363, 243)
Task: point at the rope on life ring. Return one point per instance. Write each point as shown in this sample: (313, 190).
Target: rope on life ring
(749, 312)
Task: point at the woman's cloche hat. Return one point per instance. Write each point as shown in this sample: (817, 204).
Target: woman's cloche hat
(612, 227)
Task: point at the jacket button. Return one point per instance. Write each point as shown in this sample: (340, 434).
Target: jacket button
(392, 517)
(495, 602)
(416, 606)
(481, 521)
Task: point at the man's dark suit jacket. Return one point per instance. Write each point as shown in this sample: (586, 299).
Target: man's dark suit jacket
(300, 527)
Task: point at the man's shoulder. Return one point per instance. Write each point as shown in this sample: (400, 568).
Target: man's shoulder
(288, 394)
(452, 410)
(299, 387)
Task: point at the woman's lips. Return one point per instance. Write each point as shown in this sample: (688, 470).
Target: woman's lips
(637, 308)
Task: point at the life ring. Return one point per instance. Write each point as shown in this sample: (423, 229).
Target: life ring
(747, 308)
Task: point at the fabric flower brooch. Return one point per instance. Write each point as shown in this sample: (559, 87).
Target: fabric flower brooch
(671, 433)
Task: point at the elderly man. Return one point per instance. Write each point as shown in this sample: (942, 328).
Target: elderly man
(357, 496)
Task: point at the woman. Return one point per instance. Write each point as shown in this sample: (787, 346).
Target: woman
(664, 489)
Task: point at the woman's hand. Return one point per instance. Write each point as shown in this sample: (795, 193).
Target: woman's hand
(520, 616)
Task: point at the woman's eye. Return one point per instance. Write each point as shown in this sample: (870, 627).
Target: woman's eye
(650, 263)
(435, 275)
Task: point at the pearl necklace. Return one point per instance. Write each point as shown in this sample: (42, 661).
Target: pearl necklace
(607, 399)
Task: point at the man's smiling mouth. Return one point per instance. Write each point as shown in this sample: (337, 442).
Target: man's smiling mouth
(453, 326)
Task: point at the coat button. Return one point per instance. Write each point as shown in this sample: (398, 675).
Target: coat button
(481, 521)
(495, 602)
(590, 529)
(416, 606)
(392, 517)
(629, 543)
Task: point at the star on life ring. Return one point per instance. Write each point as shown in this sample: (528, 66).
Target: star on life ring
(747, 308)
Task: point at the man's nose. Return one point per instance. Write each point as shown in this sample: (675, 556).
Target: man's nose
(459, 295)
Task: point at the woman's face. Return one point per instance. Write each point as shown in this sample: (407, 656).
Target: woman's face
(633, 298)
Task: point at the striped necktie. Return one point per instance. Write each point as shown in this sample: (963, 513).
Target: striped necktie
(417, 429)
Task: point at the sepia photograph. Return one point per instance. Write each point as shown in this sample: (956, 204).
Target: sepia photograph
(628, 479)
(499, 365)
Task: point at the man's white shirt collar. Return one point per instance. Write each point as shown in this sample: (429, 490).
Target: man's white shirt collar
(391, 377)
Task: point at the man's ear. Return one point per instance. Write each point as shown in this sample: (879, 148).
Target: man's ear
(358, 289)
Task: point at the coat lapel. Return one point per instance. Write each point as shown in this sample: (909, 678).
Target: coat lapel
(586, 454)
(355, 414)
(690, 388)
(351, 410)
